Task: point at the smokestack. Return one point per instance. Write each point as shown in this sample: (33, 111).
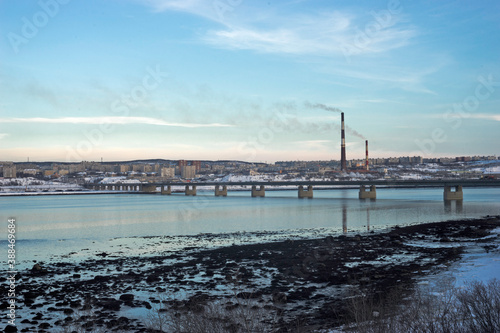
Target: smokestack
(343, 162)
(366, 163)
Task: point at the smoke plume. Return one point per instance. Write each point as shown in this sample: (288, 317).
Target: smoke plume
(332, 109)
(322, 107)
(355, 133)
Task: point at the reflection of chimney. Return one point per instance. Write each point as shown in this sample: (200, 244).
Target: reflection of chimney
(343, 162)
(366, 163)
(344, 218)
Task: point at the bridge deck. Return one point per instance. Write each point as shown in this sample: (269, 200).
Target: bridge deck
(413, 183)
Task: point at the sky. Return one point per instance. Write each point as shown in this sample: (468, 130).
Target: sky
(258, 81)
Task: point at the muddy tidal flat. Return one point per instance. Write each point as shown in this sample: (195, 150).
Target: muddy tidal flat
(283, 284)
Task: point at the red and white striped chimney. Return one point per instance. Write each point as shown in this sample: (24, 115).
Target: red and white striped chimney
(366, 162)
(343, 162)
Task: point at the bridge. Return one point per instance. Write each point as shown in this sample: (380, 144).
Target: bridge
(453, 188)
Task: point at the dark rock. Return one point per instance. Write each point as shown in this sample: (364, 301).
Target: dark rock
(36, 267)
(127, 297)
(10, 328)
(75, 304)
(102, 278)
(44, 326)
(68, 311)
(110, 304)
(152, 278)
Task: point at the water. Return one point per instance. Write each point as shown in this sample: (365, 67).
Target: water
(60, 224)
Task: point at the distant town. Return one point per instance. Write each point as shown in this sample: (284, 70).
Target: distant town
(165, 170)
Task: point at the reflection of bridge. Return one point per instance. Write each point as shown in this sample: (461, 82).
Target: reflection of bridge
(305, 188)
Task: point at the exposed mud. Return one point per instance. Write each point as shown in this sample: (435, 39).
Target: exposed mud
(294, 282)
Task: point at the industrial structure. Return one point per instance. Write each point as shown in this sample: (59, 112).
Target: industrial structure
(367, 165)
(343, 160)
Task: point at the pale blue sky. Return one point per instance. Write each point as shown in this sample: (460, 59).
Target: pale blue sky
(247, 80)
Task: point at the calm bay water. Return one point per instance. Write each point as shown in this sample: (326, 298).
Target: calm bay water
(61, 223)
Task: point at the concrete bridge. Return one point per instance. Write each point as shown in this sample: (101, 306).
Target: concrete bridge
(453, 188)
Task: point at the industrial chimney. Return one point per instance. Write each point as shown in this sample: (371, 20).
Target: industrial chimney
(366, 163)
(343, 162)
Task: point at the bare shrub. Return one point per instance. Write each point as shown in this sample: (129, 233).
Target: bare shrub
(241, 316)
(474, 308)
(82, 321)
(479, 306)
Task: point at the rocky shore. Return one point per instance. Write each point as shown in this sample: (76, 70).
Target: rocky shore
(280, 285)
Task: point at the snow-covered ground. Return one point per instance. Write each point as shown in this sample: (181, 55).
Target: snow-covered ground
(22, 186)
(488, 170)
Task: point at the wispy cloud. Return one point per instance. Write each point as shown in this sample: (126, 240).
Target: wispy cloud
(313, 144)
(495, 117)
(109, 120)
(202, 8)
(485, 116)
(324, 32)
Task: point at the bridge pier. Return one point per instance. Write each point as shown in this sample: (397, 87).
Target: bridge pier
(371, 194)
(261, 192)
(149, 188)
(220, 191)
(305, 193)
(458, 194)
(191, 191)
(167, 191)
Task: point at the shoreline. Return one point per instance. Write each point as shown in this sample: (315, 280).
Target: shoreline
(295, 280)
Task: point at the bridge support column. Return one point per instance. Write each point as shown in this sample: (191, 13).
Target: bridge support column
(305, 193)
(220, 192)
(364, 194)
(167, 191)
(261, 192)
(149, 188)
(191, 191)
(458, 194)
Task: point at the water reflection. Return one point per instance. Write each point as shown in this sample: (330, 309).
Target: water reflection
(454, 206)
(111, 216)
(357, 215)
(344, 217)
(367, 218)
